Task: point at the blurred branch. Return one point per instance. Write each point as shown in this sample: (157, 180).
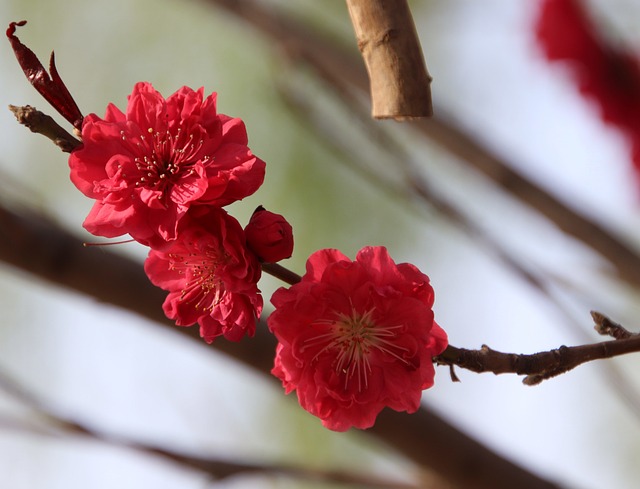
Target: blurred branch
(35, 244)
(322, 52)
(59, 426)
(389, 44)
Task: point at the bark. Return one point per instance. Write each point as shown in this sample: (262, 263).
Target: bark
(389, 44)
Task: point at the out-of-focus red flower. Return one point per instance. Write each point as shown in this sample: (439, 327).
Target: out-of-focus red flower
(269, 236)
(147, 167)
(356, 336)
(211, 276)
(603, 72)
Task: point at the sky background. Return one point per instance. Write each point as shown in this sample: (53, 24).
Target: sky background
(120, 373)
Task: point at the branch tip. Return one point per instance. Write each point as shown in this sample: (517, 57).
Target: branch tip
(607, 327)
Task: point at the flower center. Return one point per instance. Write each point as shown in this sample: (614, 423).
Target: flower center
(164, 159)
(352, 338)
(203, 286)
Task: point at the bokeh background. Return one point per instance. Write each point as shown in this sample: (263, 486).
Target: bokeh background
(124, 375)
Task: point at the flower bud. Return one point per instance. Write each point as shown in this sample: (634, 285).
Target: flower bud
(269, 236)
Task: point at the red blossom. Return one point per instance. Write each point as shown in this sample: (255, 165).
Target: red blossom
(147, 167)
(269, 236)
(356, 336)
(211, 276)
(603, 72)
(52, 88)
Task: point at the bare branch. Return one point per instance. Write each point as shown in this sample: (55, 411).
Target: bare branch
(538, 366)
(607, 327)
(389, 44)
(41, 123)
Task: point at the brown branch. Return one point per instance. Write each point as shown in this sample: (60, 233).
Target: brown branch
(543, 365)
(607, 327)
(31, 242)
(323, 52)
(41, 123)
(389, 44)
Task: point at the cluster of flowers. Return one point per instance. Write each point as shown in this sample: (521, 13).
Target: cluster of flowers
(162, 173)
(353, 336)
(603, 73)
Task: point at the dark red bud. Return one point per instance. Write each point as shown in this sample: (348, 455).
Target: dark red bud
(52, 88)
(269, 236)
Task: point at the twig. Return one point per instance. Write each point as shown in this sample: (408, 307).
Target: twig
(607, 327)
(281, 273)
(389, 44)
(41, 123)
(544, 365)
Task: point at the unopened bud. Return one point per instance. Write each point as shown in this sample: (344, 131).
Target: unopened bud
(269, 236)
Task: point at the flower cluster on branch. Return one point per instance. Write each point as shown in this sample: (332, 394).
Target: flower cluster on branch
(354, 337)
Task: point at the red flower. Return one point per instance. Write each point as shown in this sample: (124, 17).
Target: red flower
(269, 236)
(147, 167)
(356, 336)
(210, 275)
(603, 72)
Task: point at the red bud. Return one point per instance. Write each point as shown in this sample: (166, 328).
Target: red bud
(269, 236)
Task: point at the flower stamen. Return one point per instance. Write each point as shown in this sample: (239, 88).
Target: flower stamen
(354, 337)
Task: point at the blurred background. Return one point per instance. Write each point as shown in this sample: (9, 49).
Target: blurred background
(121, 373)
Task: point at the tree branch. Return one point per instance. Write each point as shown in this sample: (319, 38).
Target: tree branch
(41, 123)
(544, 365)
(607, 327)
(281, 273)
(389, 44)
